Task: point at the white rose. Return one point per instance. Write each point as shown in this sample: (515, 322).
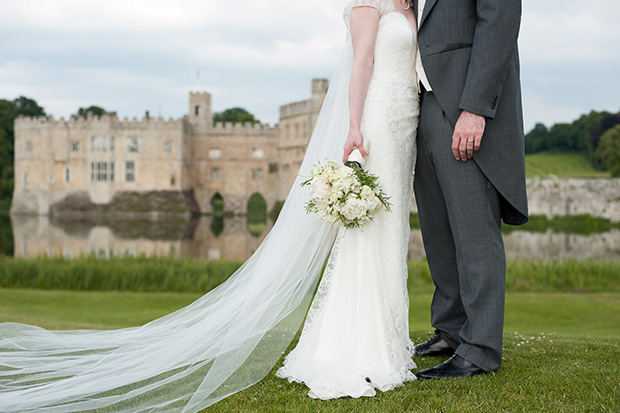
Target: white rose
(367, 192)
(320, 188)
(354, 208)
(374, 205)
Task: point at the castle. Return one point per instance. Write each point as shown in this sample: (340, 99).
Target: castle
(176, 166)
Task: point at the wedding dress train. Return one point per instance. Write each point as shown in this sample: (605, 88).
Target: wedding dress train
(356, 337)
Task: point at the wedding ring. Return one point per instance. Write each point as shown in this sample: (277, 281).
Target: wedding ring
(469, 141)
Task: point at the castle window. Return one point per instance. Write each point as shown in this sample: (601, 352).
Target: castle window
(130, 171)
(273, 167)
(51, 178)
(102, 171)
(25, 179)
(168, 146)
(67, 173)
(215, 153)
(257, 153)
(102, 143)
(297, 131)
(133, 144)
(74, 146)
(257, 174)
(172, 180)
(287, 132)
(197, 110)
(305, 131)
(28, 146)
(214, 174)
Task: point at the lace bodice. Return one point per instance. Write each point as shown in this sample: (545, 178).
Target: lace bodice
(382, 6)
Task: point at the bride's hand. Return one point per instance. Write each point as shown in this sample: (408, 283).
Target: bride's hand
(355, 140)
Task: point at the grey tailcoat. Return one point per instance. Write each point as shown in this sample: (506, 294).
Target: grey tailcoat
(470, 56)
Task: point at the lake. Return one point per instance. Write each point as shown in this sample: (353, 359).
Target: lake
(236, 238)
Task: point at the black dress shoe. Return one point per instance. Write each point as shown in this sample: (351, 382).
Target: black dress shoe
(434, 346)
(455, 366)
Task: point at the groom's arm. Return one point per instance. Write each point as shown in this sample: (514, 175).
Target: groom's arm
(495, 40)
(494, 43)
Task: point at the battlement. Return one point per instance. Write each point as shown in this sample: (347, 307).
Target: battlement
(295, 108)
(206, 94)
(245, 128)
(23, 122)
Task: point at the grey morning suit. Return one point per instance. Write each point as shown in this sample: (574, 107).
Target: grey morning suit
(469, 53)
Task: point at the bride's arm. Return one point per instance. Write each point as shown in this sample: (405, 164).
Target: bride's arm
(364, 26)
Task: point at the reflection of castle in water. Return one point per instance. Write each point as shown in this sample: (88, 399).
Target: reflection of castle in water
(204, 238)
(212, 238)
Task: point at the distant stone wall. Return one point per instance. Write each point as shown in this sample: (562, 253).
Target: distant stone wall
(553, 197)
(559, 197)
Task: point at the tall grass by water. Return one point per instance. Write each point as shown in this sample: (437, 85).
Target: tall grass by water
(170, 274)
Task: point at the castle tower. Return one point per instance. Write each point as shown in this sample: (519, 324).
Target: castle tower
(200, 115)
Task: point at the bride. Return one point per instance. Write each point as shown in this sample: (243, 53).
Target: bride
(356, 336)
(355, 339)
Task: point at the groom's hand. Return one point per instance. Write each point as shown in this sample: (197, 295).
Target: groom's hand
(467, 135)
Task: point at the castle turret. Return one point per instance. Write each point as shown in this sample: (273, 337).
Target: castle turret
(200, 115)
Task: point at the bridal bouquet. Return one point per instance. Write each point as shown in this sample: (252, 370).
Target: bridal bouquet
(344, 195)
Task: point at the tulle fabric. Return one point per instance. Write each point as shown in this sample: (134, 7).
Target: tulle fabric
(224, 342)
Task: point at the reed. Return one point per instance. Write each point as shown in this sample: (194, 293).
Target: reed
(169, 274)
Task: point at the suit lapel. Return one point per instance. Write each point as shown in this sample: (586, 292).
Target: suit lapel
(427, 8)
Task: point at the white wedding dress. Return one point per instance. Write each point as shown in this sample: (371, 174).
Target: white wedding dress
(356, 335)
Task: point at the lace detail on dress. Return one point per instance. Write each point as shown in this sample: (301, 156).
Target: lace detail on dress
(382, 6)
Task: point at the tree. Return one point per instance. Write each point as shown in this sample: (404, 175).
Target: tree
(609, 150)
(9, 110)
(95, 110)
(235, 115)
(27, 107)
(537, 139)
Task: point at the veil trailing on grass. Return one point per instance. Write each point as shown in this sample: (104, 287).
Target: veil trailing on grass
(222, 343)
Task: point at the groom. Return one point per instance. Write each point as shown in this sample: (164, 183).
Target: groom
(470, 174)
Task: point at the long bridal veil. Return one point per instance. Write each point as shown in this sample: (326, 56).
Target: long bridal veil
(222, 343)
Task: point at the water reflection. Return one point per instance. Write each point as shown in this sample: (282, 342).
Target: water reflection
(236, 238)
(207, 238)
(546, 246)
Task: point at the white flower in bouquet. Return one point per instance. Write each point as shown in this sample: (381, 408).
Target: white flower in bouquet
(354, 208)
(344, 195)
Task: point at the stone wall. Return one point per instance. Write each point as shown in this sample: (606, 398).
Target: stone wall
(552, 197)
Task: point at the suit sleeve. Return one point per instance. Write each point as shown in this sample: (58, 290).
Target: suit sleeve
(495, 43)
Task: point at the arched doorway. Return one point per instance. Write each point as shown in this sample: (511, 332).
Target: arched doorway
(217, 205)
(217, 208)
(257, 214)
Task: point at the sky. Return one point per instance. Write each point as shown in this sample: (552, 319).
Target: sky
(133, 56)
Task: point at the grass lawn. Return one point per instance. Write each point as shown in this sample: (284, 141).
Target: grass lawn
(563, 165)
(561, 352)
(596, 314)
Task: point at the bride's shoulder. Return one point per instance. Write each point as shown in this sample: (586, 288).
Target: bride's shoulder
(382, 6)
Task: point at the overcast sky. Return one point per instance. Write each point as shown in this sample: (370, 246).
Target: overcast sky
(131, 56)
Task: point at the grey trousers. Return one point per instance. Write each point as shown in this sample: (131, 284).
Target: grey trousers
(460, 221)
